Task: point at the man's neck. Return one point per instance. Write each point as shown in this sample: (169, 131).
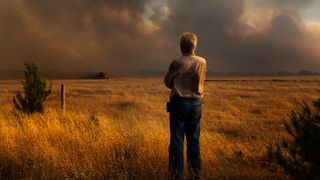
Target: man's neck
(188, 54)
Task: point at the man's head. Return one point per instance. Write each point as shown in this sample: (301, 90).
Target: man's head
(188, 42)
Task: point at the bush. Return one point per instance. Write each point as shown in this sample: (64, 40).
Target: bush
(35, 91)
(300, 156)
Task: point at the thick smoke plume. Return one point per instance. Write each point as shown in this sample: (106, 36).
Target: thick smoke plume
(124, 37)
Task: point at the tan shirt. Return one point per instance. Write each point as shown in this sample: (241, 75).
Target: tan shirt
(186, 76)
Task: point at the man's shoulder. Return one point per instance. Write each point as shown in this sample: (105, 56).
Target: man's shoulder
(176, 61)
(200, 59)
(182, 59)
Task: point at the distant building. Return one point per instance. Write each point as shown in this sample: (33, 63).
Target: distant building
(101, 75)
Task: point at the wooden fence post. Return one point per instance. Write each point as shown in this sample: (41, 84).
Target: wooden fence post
(63, 96)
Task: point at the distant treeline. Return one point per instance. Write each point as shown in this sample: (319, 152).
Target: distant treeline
(144, 73)
(155, 72)
(279, 73)
(54, 75)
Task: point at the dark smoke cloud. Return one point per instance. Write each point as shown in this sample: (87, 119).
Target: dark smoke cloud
(125, 36)
(77, 35)
(281, 46)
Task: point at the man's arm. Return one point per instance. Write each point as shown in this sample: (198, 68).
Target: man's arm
(200, 77)
(172, 72)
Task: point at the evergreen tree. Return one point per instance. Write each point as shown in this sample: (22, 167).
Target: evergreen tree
(35, 91)
(301, 155)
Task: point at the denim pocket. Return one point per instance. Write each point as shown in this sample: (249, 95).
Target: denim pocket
(196, 112)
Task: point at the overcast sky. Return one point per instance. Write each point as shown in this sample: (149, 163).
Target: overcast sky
(126, 36)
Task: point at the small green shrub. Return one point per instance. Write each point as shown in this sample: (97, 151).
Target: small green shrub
(35, 91)
(300, 156)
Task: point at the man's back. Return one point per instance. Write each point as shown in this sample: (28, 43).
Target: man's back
(186, 76)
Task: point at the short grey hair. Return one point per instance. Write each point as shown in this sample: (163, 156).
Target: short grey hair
(188, 42)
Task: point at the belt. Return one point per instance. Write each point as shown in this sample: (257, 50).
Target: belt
(186, 98)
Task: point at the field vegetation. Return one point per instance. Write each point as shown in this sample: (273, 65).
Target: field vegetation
(119, 129)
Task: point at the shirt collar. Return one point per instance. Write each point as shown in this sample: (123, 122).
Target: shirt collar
(189, 54)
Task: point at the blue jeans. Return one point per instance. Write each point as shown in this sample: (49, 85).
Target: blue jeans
(185, 115)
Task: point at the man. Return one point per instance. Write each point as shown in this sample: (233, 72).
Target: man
(185, 78)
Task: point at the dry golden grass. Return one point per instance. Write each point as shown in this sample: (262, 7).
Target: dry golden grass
(119, 128)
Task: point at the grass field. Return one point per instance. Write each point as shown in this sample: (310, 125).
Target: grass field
(119, 129)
